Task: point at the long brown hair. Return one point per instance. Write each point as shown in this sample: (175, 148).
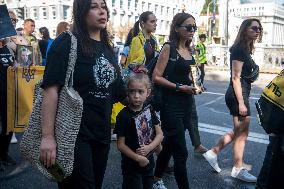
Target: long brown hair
(242, 39)
(61, 27)
(80, 11)
(142, 18)
(178, 19)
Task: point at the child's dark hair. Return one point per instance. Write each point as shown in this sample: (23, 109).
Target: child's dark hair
(202, 36)
(141, 76)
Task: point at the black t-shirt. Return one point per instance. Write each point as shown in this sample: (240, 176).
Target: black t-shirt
(238, 53)
(42, 47)
(149, 48)
(6, 60)
(138, 128)
(97, 80)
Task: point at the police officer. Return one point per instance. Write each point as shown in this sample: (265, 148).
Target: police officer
(201, 56)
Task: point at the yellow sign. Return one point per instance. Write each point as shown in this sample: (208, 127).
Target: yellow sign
(20, 92)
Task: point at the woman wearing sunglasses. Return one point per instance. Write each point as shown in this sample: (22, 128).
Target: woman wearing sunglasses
(237, 98)
(171, 72)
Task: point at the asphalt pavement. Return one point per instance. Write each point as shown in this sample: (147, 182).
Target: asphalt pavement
(214, 120)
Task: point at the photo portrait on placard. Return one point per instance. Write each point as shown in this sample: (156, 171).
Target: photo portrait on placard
(144, 127)
(24, 55)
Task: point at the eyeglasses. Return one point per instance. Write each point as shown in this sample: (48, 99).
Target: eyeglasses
(190, 28)
(256, 29)
(14, 20)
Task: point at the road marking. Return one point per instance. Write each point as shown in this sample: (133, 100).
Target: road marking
(221, 94)
(214, 129)
(211, 102)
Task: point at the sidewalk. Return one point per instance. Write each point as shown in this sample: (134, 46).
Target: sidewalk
(224, 75)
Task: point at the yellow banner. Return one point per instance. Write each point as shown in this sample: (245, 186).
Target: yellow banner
(20, 91)
(274, 91)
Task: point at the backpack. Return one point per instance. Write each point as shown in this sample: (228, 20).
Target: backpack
(156, 98)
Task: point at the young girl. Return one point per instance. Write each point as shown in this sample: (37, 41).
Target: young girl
(139, 134)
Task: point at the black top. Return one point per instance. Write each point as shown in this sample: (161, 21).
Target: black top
(238, 53)
(97, 80)
(149, 48)
(6, 60)
(42, 47)
(178, 70)
(138, 128)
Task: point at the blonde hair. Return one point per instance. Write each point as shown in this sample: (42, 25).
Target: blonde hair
(141, 77)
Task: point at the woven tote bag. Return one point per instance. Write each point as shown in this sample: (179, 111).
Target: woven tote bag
(67, 122)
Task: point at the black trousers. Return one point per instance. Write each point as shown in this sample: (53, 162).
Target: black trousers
(272, 171)
(90, 163)
(201, 67)
(136, 180)
(174, 118)
(192, 126)
(4, 138)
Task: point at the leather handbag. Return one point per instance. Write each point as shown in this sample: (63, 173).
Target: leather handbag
(66, 126)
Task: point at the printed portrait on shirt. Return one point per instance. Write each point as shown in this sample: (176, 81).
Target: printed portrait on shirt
(104, 75)
(144, 127)
(24, 55)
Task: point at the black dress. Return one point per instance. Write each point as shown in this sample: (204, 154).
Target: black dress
(238, 53)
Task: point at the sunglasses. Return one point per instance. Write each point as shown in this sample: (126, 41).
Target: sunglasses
(190, 28)
(256, 29)
(14, 20)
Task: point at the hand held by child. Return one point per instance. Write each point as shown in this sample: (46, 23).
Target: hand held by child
(144, 150)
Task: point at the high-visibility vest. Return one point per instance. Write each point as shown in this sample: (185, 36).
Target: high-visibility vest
(202, 52)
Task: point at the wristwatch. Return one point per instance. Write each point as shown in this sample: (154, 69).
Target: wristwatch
(177, 86)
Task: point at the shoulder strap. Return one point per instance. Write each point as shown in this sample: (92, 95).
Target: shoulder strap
(71, 61)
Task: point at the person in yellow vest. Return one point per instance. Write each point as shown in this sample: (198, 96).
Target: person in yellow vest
(143, 47)
(201, 56)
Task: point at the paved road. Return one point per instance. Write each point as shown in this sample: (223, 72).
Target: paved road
(214, 120)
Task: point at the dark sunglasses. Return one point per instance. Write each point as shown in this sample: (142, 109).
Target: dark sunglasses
(14, 20)
(190, 28)
(256, 29)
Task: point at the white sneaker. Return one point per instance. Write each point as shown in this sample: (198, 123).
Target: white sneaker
(211, 157)
(242, 174)
(159, 185)
(13, 139)
(113, 137)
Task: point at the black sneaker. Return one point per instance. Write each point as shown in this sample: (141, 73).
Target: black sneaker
(7, 160)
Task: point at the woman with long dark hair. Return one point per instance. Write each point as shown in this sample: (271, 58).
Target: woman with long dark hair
(172, 73)
(143, 46)
(44, 43)
(243, 73)
(97, 80)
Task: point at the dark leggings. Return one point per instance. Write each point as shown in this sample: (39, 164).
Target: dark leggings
(137, 181)
(272, 171)
(174, 117)
(90, 163)
(4, 138)
(202, 69)
(192, 126)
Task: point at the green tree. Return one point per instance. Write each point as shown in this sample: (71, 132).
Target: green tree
(204, 10)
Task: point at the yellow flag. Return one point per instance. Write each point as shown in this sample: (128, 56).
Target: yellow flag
(117, 107)
(274, 91)
(20, 91)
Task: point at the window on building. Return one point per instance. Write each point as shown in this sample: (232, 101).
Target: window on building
(136, 5)
(44, 13)
(121, 4)
(113, 3)
(149, 7)
(168, 10)
(53, 12)
(156, 9)
(35, 15)
(143, 6)
(162, 10)
(129, 4)
(65, 12)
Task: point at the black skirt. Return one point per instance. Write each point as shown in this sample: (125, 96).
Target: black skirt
(231, 99)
